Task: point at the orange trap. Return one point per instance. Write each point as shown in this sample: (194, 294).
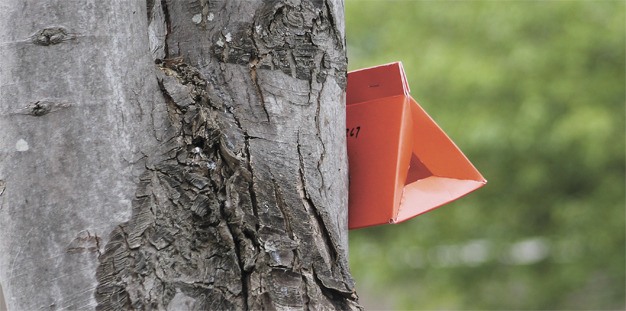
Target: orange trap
(401, 163)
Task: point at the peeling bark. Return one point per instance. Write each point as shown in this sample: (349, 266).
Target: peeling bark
(230, 160)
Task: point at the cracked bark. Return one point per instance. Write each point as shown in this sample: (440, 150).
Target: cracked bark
(215, 179)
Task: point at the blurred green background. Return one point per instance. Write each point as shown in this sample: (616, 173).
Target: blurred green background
(533, 92)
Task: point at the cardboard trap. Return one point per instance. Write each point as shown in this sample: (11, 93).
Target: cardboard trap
(401, 163)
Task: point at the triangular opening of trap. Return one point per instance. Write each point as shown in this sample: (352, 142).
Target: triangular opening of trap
(417, 170)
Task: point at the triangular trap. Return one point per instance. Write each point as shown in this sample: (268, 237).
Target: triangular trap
(401, 163)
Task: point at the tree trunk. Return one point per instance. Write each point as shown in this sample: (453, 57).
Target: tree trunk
(200, 167)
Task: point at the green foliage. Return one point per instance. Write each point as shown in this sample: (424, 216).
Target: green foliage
(534, 93)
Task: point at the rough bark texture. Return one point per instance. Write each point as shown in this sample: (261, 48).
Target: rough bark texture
(213, 179)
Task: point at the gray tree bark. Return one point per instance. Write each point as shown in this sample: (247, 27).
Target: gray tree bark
(193, 159)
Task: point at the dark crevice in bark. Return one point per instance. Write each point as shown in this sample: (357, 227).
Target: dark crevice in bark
(282, 206)
(236, 235)
(255, 81)
(150, 7)
(318, 129)
(168, 27)
(311, 208)
(337, 298)
(333, 25)
(248, 162)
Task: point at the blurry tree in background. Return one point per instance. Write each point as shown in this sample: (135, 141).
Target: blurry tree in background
(534, 93)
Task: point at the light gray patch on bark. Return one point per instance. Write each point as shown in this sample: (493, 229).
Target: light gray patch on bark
(180, 301)
(77, 171)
